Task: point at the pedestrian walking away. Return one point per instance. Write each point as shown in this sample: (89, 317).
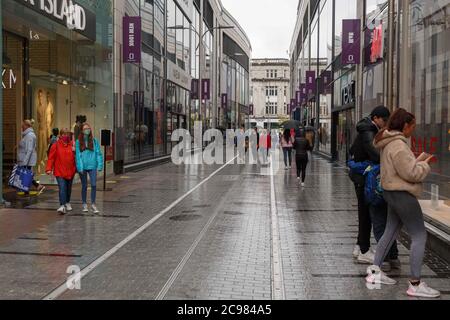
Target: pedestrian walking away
(89, 161)
(287, 143)
(301, 147)
(61, 163)
(370, 216)
(26, 152)
(402, 175)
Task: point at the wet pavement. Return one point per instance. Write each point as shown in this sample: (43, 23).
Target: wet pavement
(199, 232)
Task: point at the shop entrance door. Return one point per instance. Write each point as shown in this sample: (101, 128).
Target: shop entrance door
(13, 75)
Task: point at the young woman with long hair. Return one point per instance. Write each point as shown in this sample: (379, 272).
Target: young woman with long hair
(402, 175)
(89, 161)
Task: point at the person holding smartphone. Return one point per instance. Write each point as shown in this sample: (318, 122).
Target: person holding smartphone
(402, 175)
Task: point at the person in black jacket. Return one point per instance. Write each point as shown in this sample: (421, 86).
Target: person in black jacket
(301, 147)
(363, 150)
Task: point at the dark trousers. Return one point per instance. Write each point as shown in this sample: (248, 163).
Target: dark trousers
(364, 221)
(302, 164)
(65, 190)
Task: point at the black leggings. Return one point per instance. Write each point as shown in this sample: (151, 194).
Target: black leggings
(302, 163)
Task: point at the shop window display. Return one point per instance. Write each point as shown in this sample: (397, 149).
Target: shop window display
(62, 72)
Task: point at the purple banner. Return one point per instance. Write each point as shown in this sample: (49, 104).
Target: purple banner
(351, 41)
(310, 82)
(206, 89)
(293, 104)
(194, 89)
(303, 96)
(298, 97)
(326, 78)
(224, 101)
(131, 39)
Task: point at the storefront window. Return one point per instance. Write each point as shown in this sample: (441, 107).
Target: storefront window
(67, 73)
(375, 48)
(426, 88)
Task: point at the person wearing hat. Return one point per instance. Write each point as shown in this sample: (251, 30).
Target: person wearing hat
(362, 150)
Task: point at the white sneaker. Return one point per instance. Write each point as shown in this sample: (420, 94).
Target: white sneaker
(366, 258)
(85, 208)
(376, 276)
(422, 291)
(303, 184)
(94, 209)
(62, 210)
(69, 207)
(286, 168)
(356, 252)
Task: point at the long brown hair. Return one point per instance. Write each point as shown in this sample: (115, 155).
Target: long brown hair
(90, 145)
(397, 122)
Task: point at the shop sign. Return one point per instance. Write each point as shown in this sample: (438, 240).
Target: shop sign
(178, 75)
(348, 94)
(66, 12)
(206, 89)
(252, 109)
(132, 39)
(351, 41)
(9, 79)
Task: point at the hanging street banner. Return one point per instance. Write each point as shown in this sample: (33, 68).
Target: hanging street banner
(132, 39)
(310, 82)
(195, 89)
(351, 41)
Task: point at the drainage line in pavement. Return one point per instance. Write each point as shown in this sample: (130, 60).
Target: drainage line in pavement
(63, 287)
(278, 290)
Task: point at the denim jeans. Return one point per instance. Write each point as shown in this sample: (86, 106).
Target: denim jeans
(379, 215)
(287, 152)
(84, 185)
(65, 190)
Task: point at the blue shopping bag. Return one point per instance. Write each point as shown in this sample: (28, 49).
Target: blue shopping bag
(21, 178)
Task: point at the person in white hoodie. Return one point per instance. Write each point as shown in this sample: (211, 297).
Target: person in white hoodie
(402, 175)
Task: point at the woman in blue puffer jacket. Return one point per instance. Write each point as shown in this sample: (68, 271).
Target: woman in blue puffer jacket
(89, 160)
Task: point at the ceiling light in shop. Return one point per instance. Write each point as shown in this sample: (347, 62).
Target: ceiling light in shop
(65, 82)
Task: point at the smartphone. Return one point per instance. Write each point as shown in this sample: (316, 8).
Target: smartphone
(424, 156)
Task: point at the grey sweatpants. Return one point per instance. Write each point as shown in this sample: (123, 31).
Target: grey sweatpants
(404, 210)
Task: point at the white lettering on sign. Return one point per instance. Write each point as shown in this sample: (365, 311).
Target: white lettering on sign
(131, 41)
(72, 14)
(351, 38)
(11, 79)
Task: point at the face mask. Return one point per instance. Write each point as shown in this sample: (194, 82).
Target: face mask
(65, 139)
(87, 132)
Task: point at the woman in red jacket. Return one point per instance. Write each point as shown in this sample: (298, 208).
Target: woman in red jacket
(61, 161)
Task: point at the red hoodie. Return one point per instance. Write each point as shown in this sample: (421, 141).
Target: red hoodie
(61, 161)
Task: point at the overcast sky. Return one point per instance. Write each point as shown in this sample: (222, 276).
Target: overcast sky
(269, 24)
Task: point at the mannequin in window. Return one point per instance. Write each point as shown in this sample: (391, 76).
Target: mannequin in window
(42, 138)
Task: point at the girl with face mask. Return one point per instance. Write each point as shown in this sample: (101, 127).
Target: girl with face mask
(89, 161)
(61, 162)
